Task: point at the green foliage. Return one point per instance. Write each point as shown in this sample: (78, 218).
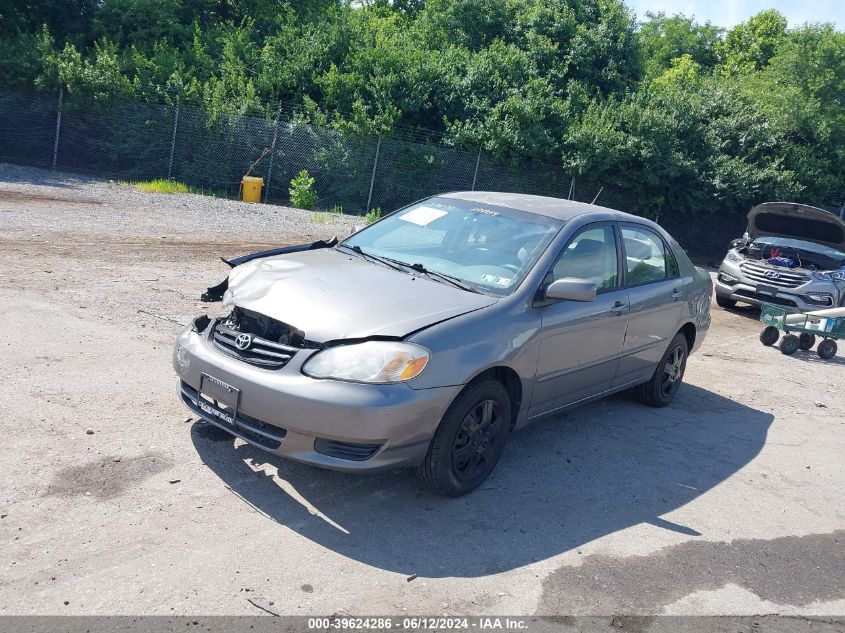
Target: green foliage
(373, 215)
(750, 45)
(671, 115)
(665, 39)
(302, 192)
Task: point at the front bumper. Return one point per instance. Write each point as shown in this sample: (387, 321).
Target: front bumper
(732, 283)
(328, 423)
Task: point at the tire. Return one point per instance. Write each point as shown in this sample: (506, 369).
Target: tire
(724, 302)
(789, 344)
(469, 440)
(827, 349)
(806, 341)
(660, 390)
(769, 335)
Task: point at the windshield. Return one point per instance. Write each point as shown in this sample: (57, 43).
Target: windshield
(811, 247)
(488, 247)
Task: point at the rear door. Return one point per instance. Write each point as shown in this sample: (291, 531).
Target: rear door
(580, 342)
(657, 301)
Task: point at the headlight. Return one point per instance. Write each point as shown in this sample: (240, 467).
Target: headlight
(373, 361)
(733, 256)
(839, 275)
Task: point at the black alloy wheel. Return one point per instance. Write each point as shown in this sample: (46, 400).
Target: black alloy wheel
(469, 440)
(474, 445)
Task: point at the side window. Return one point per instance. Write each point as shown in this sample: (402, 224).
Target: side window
(647, 258)
(590, 255)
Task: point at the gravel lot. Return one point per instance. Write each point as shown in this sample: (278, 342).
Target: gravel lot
(731, 501)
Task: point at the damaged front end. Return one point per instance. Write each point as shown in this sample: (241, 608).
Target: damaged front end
(215, 293)
(256, 339)
(791, 255)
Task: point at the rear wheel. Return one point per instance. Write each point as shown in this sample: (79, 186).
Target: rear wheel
(769, 335)
(724, 302)
(827, 349)
(806, 341)
(664, 384)
(469, 440)
(789, 344)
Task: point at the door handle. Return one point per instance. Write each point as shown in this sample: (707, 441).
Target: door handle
(619, 308)
(676, 294)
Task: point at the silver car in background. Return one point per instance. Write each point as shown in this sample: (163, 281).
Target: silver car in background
(792, 255)
(424, 339)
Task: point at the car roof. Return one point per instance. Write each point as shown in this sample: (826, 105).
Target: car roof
(557, 208)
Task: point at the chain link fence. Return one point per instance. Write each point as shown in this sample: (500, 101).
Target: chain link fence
(353, 173)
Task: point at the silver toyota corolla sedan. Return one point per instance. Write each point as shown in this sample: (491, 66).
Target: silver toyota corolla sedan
(426, 338)
(791, 254)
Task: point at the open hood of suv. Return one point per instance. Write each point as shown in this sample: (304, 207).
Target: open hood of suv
(796, 221)
(330, 295)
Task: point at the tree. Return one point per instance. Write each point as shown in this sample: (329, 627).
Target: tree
(750, 45)
(664, 39)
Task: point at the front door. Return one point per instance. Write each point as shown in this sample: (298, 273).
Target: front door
(580, 342)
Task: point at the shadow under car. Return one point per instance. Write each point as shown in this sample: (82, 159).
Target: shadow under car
(561, 482)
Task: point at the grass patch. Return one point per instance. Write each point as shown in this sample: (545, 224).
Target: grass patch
(161, 185)
(321, 217)
(373, 216)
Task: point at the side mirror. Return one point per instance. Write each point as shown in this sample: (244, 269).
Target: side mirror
(356, 228)
(571, 289)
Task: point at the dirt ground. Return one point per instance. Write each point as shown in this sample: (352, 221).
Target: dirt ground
(731, 501)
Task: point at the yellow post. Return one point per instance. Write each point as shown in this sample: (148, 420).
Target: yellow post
(251, 187)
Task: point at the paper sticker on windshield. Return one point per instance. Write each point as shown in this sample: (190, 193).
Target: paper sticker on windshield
(499, 281)
(423, 216)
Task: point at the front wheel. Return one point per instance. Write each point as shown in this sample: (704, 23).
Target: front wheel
(664, 384)
(469, 440)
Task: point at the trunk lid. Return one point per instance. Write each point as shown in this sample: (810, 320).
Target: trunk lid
(796, 221)
(331, 295)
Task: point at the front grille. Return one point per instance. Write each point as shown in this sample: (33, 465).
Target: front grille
(785, 278)
(261, 351)
(345, 450)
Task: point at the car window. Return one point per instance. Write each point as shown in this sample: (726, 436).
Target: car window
(590, 255)
(490, 247)
(647, 257)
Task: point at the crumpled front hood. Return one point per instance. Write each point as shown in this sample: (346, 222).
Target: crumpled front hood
(330, 295)
(796, 221)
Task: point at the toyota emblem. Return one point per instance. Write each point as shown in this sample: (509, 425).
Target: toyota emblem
(772, 274)
(243, 341)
